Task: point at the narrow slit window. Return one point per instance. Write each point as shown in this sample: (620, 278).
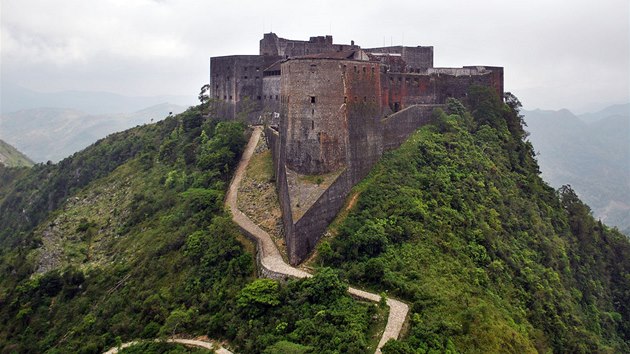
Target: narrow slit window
(312, 99)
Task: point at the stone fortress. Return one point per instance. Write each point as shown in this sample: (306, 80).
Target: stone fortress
(332, 111)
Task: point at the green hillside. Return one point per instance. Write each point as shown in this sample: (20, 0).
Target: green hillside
(459, 223)
(128, 239)
(11, 157)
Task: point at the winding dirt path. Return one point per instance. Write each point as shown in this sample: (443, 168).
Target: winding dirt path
(272, 261)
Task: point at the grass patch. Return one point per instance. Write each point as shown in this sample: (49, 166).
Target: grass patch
(375, 332)
(260, 167)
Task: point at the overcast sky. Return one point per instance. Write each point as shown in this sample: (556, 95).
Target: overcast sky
(556, 53)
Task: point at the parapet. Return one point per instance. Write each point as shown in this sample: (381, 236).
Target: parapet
(273, 45)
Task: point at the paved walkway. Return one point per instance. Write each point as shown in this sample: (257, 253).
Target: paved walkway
(272, 261)
(188, 342)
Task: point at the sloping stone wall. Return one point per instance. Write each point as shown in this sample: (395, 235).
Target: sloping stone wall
(369, 139)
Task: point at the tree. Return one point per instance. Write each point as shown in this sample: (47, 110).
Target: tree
(178, 317)
(324, 287)
(260, 293)
(513, 116)
(204, 94)
(284, 347)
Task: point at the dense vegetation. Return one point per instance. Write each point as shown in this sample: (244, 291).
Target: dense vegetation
(459, 223)
(162, 348)
(128, 239)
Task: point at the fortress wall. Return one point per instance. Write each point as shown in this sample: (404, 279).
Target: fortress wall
(457, 86)
(260, 267)
(237, 82)
(399, 126)
(222, 85)
(274, 143)
(314, 121)
(271, 94)
(403, 90)
(496, 78)
(363, 111)
(271, 44)
(418, 57)
(385, 135)
(310, 228)
(415, 57)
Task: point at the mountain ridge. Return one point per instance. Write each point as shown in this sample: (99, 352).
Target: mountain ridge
(593, 157)
(51, 134)
(16, 98)
(12, 157)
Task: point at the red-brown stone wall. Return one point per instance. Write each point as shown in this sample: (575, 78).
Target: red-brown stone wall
(312, 115)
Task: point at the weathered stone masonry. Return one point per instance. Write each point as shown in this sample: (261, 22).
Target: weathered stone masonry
(334, 110)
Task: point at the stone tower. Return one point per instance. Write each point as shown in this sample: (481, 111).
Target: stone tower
(320, 95)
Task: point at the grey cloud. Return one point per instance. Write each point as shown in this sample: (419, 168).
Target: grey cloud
(556, 54)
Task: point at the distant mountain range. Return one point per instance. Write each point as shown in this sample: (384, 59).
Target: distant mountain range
(16, 98)
(51, 134)
(51, 126)
(10, 156)
(591, 152)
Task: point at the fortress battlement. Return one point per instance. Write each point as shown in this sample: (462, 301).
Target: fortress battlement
(329, 102)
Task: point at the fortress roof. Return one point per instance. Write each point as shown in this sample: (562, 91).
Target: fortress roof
(356, 54)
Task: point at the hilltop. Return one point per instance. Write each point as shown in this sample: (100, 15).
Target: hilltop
(11, 157)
